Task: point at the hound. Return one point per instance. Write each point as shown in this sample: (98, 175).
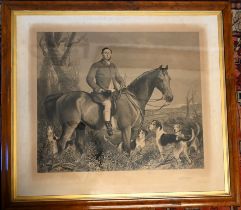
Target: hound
(52, 140)
(163, 139)
(195, 144)
(139, 143)
(141, 139)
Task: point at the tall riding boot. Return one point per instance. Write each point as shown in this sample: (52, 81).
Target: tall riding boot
(109, 128)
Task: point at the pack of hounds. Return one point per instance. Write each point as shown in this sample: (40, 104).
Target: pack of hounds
(182, 145)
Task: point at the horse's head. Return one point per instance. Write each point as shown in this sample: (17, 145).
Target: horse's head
(162, 83)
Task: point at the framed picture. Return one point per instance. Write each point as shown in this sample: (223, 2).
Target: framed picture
(118, 105)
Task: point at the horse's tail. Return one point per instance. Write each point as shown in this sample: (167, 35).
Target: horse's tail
(50, 105)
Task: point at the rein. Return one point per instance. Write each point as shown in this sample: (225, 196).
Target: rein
(155, 100)
(128, 93)
(159, 107)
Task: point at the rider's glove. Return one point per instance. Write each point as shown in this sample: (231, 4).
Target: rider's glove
(98, 90)
(101, 90)
(123, 86)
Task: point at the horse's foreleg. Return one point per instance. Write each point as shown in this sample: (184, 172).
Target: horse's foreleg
(67, 131)
(126, 138)
(80, 138)
(134, 133)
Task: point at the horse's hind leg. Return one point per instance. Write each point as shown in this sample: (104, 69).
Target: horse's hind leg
(67, 131)
(80, 137)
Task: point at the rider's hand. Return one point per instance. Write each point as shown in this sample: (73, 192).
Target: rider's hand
(101, 90)
(123, 86)
(98, 90)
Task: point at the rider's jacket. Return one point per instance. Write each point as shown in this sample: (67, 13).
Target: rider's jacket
(101, 74)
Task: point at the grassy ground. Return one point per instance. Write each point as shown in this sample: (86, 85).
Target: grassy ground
(114, 160)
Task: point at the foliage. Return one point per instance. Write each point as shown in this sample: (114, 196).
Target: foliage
(112, 159)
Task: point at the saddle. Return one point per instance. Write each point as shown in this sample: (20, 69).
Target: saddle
(100, 97)
(114, 96)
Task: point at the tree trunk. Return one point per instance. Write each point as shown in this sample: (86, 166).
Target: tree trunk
(58, 57)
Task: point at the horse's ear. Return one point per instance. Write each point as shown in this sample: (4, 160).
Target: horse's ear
(166, 67)
(160, 67)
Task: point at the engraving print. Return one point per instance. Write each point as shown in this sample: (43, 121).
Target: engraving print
(117, 101)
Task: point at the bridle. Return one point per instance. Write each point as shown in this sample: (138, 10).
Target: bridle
(158, 99)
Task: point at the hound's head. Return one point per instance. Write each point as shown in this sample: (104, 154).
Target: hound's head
(142, 133)
(50, 132)
(177, 128)
(155, 124)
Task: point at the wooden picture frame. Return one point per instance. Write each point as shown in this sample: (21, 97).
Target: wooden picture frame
(13, 198)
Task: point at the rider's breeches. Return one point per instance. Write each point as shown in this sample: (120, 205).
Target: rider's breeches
(107, 109)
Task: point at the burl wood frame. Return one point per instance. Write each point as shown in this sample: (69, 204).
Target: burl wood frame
(6, 172)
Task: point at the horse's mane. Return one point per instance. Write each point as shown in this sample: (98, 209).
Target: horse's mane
(143, 75)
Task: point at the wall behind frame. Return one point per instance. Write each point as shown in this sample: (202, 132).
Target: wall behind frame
(236, 9)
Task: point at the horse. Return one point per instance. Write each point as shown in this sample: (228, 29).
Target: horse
(75, 110)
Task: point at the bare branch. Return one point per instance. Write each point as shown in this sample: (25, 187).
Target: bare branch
(77, 41)
(42, 46)
(69, 45)
(57, 37)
